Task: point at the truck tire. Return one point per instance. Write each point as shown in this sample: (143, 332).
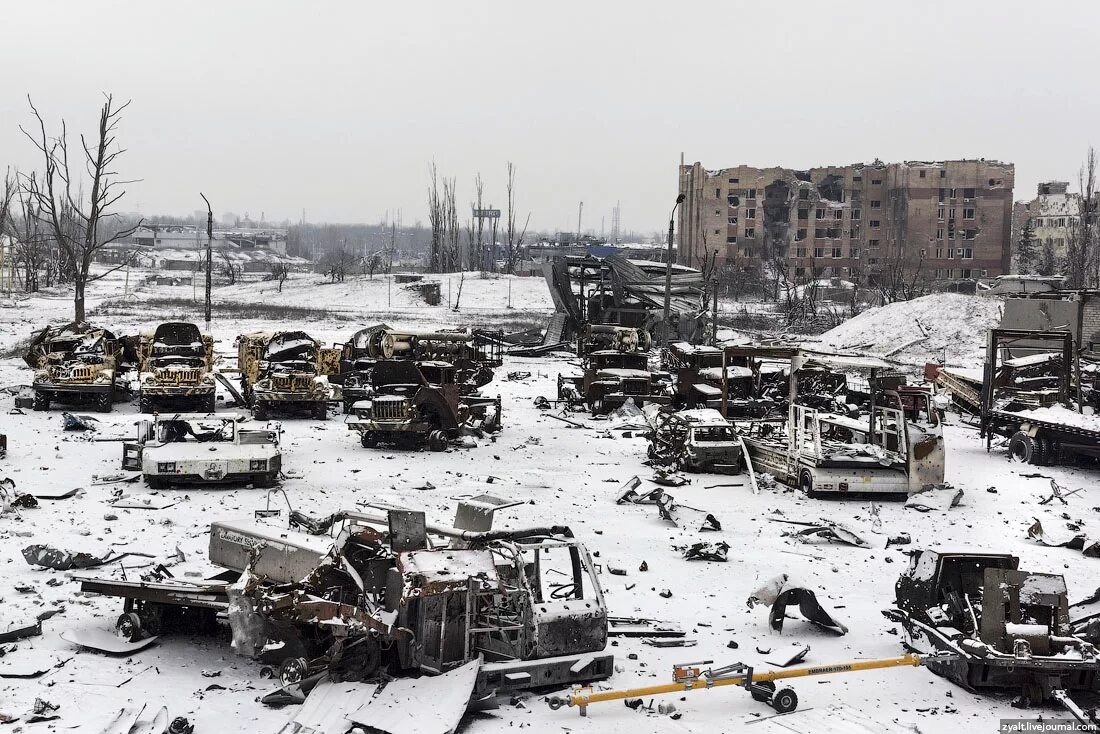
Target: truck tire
(211, 403)
(784, 701)
(265, 481)
(259, 411)
(41, 400)
(143, 405)
(806, 483)
(320, 411)
(1024, 449)
(157, 482)
(437, 440)
(103, 402)
(369, 439)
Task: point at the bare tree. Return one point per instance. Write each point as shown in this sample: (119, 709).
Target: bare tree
(1081, 258)
(33, 250)
(374, 262)
(229, 270)
(451, 228)
(280, 272)
(339, 264)
(515, 243)
(474, 258)
(80, 226)
(436, 262)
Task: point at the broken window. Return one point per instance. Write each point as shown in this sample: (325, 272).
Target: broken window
(939, 214)
(731, 240)
(872, 243)
(968, 193)
(734, 180)
(750, 232)
(819, 252)
(1059, 242)
(875, 223)
(734, 201)
(943, 174)
(969, 234)
(855, 214)
(800, 235)
(836, 253)
(876, 181)
(833, 233)
(922, 174)
(732, 220)
(838, 214)
(950, 253)
(967, 253)
(876, 204)
(819, 232)
(951, 215)
(1060, 222)
(831, 188)
(855, 233)
(800, 252)
(803, 213)
(820, 214)
(804, 194)
(942, 192)
(799, 272)
(939, 233)
(750, 214)
(718, 193)
(953, 193)
(857, 179)
(855, 252)
(968, 213)
(939, 253)
(750, 193)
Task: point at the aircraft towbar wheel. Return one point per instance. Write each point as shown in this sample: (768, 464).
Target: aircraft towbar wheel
(762, 691)
(556, 702)
(128, 626)
(784, 701)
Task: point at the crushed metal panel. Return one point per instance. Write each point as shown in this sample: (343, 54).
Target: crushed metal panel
(408, 530)
(426, 705)
(105, 641)
(328, 707)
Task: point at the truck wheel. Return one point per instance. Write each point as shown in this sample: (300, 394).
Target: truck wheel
(103, 402)
(41, 400)
(128, 627)
(762, 691)
(806, 483)
(265, 481)
(437, 440)
(369, 439)
(143, 405)
(293, 670)
(157, 482)
(259, 411)
(785, 701)
(320, 411)
(1023, 449)
(211, 403)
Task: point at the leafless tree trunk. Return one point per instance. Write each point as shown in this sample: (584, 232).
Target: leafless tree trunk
(32, 248)
(228, 268)
(515, 241)
(450, 217)
(436, 262)
(1081, 255)
(474, 262)
(79, 225)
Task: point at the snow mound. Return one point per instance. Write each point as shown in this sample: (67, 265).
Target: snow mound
(951, 321)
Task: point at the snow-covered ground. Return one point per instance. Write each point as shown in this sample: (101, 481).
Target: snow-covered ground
(565, 475)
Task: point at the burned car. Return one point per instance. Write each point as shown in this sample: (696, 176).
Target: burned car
(1003, 628)
(698, 440)
(176, 363)
(611, 378)
(354, 594)
(474, 353)
(76, 363)
(204, 448)
(287, 372)
(413, 404)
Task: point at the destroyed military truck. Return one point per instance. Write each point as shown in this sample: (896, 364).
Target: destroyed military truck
(998, 626)
(413, 404)
(286, 372)
(176, 365)
(697, 371)
(355, 594)
(611, 377)
(77, 364)
(204, 449)
(474, 353)
(698, 440)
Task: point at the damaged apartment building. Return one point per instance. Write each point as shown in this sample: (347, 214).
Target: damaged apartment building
(943, 220)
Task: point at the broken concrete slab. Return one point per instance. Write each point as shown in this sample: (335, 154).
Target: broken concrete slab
(941, 497)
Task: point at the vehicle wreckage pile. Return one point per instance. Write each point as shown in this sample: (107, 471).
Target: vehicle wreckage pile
(359, 613)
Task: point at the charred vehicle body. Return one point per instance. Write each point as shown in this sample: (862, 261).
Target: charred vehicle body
(695, 440)
(611, 377)
(204, 448)
(413, 404)
(176, 363)
(697, 371)
(474, 353)
(76, 363)
(286, 372)
(1003, 628)
(353, 594)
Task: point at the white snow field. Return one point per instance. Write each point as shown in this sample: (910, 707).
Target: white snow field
(565, 475)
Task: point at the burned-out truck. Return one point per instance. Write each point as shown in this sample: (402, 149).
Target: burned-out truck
(286, 372)
(414, 404)
(611, 377)
(176, 363)
(76, 363)
(353, 594)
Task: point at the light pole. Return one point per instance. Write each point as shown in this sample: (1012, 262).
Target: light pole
(209, 237)
(668, 269)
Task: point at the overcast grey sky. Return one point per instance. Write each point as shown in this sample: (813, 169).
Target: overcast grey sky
(338, 107)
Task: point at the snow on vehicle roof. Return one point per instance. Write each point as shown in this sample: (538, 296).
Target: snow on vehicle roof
(732, 371)
(703, 417)
(230, 416)
(1061, 414)
(694, 348)
(449, 565)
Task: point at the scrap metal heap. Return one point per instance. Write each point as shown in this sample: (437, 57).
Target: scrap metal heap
(76, 363)
(176, 363)
(1003, 628)
(474, 353)
(286, 371)
(617, 290)
(352, 594)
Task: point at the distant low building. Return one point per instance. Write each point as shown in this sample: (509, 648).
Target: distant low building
(190, 237)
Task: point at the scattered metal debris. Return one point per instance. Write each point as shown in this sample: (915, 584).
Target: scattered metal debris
(1070, 536)
(707, 551)
(941, 497)
(48, 556)
(781, 592)
(831, 530)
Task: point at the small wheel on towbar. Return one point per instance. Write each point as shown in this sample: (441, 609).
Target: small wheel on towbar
(784, 701)
(762, 691)
(1024, 449)
(128, 626)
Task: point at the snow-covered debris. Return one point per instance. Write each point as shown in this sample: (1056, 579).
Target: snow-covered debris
(927, 326)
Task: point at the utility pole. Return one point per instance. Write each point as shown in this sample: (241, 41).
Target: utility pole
(580, 210)
(668, 270)
(209, 256)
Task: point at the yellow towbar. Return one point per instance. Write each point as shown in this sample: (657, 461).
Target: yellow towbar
(760, 685)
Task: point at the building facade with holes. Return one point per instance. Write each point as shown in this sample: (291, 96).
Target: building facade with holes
(936, 220)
